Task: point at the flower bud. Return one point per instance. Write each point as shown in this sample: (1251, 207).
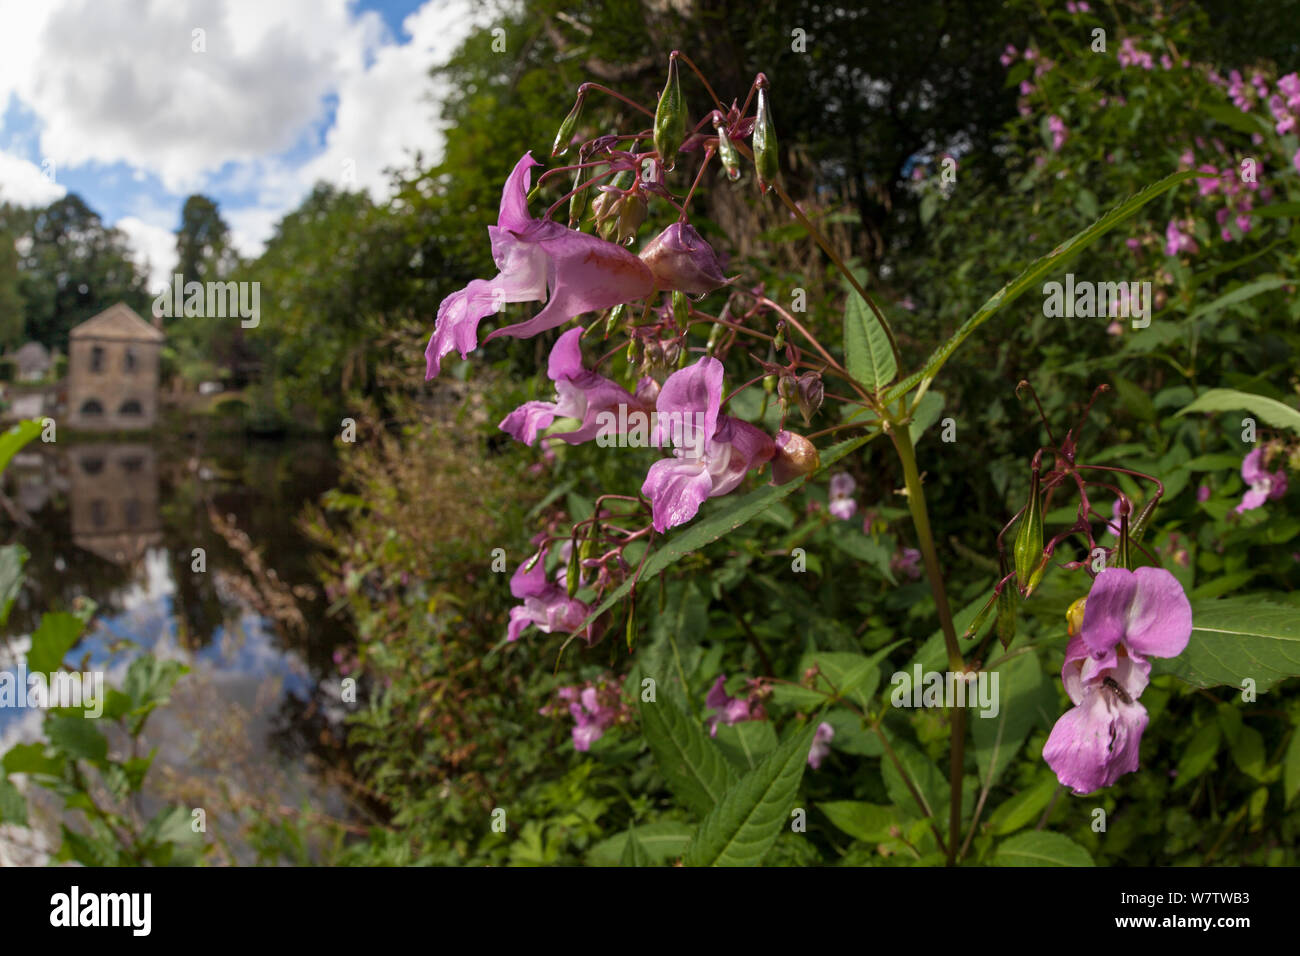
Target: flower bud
(778, 341)
(630, 217)
(1074, 616)
(764, 140)
(715, 336)
(795, 457)
(811, 395)
(565, 134)
(682, 261)
(670, 118)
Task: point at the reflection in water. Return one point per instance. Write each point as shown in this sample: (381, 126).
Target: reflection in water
(125, 523)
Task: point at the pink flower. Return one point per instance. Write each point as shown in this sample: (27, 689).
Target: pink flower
(842, 504)
(821, 745)
(907, 562)
(1129, 617)
(730, 710)
(1177, 241)
(1056, 126)
(579, 393)
(1203, 493)
(546, 604)
(1263, 485)
(539, 261)
(1008, 55)
(713, 451)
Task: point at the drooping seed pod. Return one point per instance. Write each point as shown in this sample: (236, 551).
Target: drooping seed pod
(766, 160)
(670, 118)
(565, 134)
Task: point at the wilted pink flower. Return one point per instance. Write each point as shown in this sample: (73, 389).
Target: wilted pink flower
(821, 745)
(1263, 485)
(1129, 617)
(682, 261)
(842, 504)
(579, 393)
(713, 451)
(539, 261)
(730, 710)
(546, 603)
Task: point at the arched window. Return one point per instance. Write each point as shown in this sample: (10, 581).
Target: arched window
(130, 407)
(91, 407)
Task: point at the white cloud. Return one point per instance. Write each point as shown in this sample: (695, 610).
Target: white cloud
(25, 184)
(154, 248)
(114, 81)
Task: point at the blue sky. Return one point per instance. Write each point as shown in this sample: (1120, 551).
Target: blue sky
(135, 104)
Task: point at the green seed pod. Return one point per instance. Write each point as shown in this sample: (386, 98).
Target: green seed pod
(631, 625)
(764, 140)
(980, 618)
(778, 342)
(670, 119)
(565, 134)
(1139, 527)
(616, 317)
(681, 310)
(1006, 619)
(571, 574)
(727, 152)
(715, 336)
(1029, 538)
(578, 201)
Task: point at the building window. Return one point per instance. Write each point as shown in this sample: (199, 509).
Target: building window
(99, 513)
(92, 466)
(90, 407)
(129, 363)
(130, 407)
(97, 358)
(131, 511)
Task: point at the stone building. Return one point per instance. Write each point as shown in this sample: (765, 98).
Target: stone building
(31, 362)
(113, 372)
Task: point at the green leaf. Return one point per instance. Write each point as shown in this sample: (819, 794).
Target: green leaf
(77, 737)
(868, 822)
(745, 744)
(1041, 848)
(718, 524)
(1036, 271)
(744, 825)
(13, 805)
(1025, 701)
(31, 758)
(867, 354)
(1024, 807)
(931, 785)
(1268, 410)
(14, 438)
(696, 771)
(1240, 294)
(1291, 769)
(925, 414)
(1198, 754)
(1235, 639)
(12, 559)
(51, 641)
(633, 854)
(660, 842)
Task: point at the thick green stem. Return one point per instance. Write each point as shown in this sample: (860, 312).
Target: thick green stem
(925, 538)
